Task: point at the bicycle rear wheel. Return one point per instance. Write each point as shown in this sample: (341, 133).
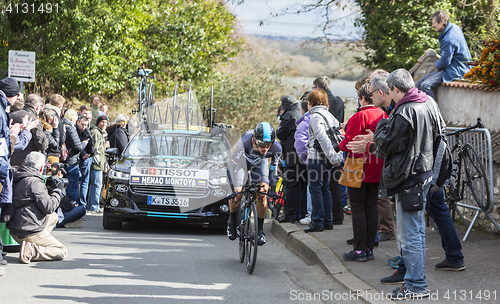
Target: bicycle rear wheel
(251, 232)
(475, 179)
(240, 228)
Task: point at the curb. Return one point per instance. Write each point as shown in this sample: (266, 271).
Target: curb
(314, 252)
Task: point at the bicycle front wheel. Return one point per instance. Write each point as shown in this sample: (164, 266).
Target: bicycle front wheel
(475, 180)
(251, 232)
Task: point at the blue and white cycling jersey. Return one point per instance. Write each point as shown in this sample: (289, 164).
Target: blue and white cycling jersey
(245, 158)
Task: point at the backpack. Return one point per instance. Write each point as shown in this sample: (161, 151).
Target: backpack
(333, 134)
(443, 163)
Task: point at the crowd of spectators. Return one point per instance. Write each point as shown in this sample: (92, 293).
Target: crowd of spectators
(52, 161)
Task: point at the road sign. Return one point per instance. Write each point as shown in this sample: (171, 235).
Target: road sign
(22, 66)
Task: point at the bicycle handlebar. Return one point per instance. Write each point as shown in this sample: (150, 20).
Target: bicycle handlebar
(252, 188)
(478, 124)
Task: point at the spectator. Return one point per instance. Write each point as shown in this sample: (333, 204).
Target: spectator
(39, 142)
(364, 199)
(50, 125)
(9, 92)
(74, 146)
(35, 215)
(98, 163)
(293, 166)
(301, 138)
(18, 105)
(318, 169)
(336, 108)
(103, 109)
(85, 158)
(405, 140)
(454, 54)
(56, 104)
(82, 111)
(94, 110)
(69, 213)
(118, 136)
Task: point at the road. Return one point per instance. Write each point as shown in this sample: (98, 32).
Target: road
(152, 263)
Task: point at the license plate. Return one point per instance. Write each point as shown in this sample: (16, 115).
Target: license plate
(168, 201)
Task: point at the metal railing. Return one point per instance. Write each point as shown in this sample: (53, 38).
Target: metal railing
(480, 139)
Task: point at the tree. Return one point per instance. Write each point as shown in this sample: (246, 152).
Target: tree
(92, 46)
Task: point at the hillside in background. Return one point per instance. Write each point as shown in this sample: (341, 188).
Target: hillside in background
(304, 58)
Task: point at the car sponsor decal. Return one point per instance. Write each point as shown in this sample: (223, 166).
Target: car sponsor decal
(169, 177)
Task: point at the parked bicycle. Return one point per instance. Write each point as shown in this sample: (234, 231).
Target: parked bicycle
(468, 175)
(247, 228)
(145, 92)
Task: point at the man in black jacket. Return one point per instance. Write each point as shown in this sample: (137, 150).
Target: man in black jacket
(38, 142)
(74, 146)
(35, 216)
(85, 158)
(294, 169)
(336, 107)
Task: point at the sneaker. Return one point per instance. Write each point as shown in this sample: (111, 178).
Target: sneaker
(3, 262)
(26, 252)
(394, 259)
(350, 241)
(394, 265)
(369, 254)
(403, 293)
(306, 220)
(261, 238)
(445, 265)
(231, 230)
(353, 256)
(384, 236)
(75, 224)
(397, 277)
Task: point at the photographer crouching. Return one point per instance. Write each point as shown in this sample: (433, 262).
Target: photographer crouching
(34, 216)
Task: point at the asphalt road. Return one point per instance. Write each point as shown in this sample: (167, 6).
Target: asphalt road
(152, 263)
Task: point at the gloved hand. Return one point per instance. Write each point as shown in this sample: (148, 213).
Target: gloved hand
(60, 184)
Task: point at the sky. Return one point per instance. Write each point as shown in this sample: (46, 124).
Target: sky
(303, 25)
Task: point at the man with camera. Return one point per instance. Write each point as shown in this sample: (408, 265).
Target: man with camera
(34, 213)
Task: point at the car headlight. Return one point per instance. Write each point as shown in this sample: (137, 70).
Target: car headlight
(219, 180)
(113, 174)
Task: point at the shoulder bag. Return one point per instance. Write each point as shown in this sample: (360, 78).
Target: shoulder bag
(352, 172)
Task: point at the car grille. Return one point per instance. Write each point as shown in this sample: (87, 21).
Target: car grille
(169, 191)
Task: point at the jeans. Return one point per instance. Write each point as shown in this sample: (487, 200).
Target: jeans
(411, 238)
(95, 190)
(73, 175)
(84, 181)
(73, 215)
(449, 238)
(429, 82)
(318, 172)
(309, 202)
(438, 210)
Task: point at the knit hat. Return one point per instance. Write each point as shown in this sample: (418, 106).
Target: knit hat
(121, 117)
(71, 115)
(288, 100)
(101, 118)
(9, 86)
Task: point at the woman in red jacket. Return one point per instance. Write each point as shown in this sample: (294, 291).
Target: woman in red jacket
(364, 200)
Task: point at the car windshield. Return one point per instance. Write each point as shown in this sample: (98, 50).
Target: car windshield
(168, 145)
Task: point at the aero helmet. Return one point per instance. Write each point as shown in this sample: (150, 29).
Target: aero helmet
(264, 134)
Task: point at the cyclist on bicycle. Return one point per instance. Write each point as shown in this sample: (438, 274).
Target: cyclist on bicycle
(251, 154)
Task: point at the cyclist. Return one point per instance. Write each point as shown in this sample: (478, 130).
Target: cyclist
(251, 154)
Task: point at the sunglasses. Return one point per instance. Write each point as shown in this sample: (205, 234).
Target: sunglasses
(262, 144)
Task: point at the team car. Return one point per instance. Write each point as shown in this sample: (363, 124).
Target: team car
(172, 170)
